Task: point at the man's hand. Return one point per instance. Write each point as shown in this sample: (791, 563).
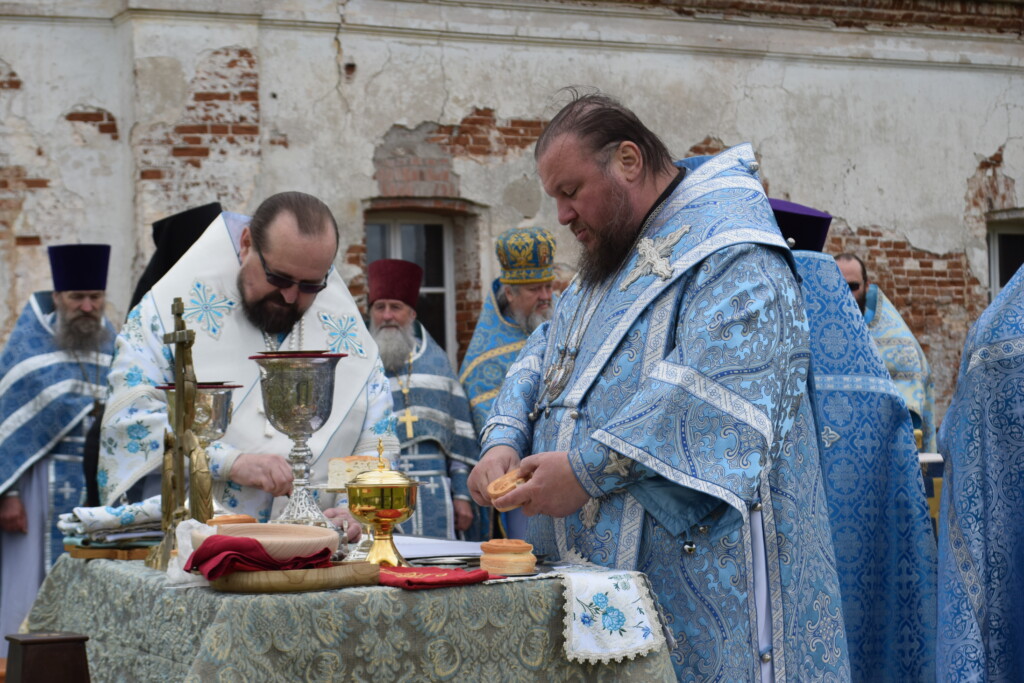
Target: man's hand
(12, 515)
(552, 488)
(272, 473)
(463, 514)
(496, 462)
(339, 516)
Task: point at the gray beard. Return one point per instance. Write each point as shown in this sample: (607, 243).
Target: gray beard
(395, 345)
(81, 333)
(532, 321)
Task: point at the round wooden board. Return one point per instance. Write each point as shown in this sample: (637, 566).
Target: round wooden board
(298, 580)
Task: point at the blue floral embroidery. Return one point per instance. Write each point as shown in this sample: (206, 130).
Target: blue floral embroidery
(134, 377)
(208, 308)
(138, 431)
(613, 620)
(342, 334)
(387, 425)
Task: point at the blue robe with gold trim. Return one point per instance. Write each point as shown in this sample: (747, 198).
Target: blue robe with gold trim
(495, 344)
(686, 418)
(981, 532)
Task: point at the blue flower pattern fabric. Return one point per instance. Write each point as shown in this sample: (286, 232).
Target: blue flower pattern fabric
(342, 334)
(885, 548)
(207, 309)
(981, 537)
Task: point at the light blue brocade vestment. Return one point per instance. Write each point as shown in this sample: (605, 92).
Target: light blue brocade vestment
(905, 360)
(885, 548)
(981, 528)
(686, 419)
(443, 445)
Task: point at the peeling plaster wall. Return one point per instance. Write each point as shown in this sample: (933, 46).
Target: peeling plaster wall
(118, 113)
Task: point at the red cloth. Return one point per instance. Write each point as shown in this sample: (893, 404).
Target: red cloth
(219, 555)
(416, 578)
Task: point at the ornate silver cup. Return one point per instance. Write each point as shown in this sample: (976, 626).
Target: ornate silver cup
(298, 393)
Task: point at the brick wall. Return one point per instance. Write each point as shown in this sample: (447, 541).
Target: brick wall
(212, 152)
(100, 119)
(414, 172)
(993, 16)
(937, 295)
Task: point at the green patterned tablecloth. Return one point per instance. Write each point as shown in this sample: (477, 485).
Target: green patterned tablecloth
(141, 629)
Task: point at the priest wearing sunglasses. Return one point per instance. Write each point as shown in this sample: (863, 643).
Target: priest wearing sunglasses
(249, 285)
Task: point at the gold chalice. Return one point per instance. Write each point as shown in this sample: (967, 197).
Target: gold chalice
(381, 499)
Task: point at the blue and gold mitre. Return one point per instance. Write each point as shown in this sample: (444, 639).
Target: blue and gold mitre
(526, 255)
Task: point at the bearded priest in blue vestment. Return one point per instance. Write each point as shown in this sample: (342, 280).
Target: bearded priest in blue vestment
(435, 429)
(662, 416)
(981, 535)
(885, 547)
(53, 376)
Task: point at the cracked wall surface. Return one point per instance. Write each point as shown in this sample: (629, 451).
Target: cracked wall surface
(113, 116)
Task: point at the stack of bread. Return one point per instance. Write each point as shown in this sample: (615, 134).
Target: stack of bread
(508, 557)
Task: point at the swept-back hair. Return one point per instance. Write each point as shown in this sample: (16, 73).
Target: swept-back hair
(310, 213)
(602, 123)
(846, 256)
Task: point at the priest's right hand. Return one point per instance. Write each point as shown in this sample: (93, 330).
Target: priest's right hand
(12, 515)
(496, 461)
(271, 473)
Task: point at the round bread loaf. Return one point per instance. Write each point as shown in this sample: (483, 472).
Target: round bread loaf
(503, 484)
(508, 557)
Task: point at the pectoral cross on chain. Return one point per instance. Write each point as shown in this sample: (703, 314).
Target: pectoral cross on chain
(409, 419)
(652, 257)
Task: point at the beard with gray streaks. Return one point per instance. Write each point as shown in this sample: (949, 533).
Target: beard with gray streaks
(80, 332)
(533, 320)
(395, 344)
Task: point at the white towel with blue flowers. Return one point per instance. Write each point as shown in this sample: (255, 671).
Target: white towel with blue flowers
(609, 615)
(91, 521)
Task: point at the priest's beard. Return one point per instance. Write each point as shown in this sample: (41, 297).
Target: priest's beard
(612, 242)
(80, 332)
(395, 344)
(531, 321)
(271, 314)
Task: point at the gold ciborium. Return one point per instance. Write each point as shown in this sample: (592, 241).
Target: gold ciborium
(382, 499)
(298, 394)
(212, 416)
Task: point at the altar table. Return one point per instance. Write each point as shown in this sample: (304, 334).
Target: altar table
(141, 629)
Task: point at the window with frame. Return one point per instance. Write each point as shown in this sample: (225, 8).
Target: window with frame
(1005, 247)
(426, 241)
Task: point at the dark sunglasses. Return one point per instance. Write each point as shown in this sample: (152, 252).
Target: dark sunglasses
(282, 282)
(854, 286)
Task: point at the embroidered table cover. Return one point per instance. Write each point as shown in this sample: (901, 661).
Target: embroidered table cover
(142, 630)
